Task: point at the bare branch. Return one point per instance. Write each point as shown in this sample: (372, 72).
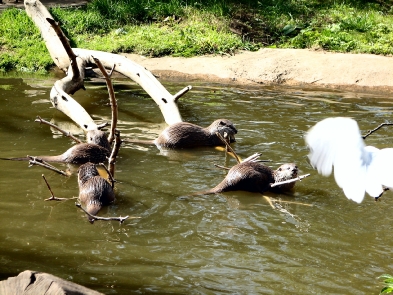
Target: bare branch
(53, 198)
(181, 93)
(115, 151)
(112, 98)
(40, 162)
(228, 147)
(375, 129)
(290, 180)
(42, 121)
(121, 219)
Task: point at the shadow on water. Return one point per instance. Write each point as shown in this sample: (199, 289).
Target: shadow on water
(314, 241)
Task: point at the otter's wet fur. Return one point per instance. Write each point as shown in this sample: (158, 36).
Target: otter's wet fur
(94, 191)
(256, 177)
(187, 135)
(96, 150)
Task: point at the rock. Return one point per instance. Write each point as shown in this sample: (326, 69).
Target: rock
(35, 282)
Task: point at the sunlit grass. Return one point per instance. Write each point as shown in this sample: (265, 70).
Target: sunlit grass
(189, 28)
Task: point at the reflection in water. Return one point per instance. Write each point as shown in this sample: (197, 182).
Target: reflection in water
(314, 241)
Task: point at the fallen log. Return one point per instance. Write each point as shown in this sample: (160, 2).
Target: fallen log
(74, 61)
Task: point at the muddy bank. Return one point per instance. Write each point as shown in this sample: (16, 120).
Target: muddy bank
(365, 72)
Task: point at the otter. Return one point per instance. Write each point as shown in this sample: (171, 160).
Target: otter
(96, 150)
(187, 135)
(255, 177)
(94, 191)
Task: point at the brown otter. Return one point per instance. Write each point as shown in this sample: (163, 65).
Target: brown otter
(188, 135)
(94, 191)
(255, 177)
(96, 150)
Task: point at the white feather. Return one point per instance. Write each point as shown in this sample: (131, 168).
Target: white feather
(337, 142)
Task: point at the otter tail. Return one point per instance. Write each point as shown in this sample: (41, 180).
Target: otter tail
(92, 208)
(16, 159)
(43, 158)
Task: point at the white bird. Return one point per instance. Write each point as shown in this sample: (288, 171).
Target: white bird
(357, 168)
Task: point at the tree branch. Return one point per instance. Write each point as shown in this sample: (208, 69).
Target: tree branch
(68, 134)
(53, 198)
(121, 219)
(112, 98)
(375, 129)
(40, 162)
(290, 180)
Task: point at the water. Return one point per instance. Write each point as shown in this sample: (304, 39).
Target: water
(214, 244)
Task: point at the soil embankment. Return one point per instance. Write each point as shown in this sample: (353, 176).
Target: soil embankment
(280, 66)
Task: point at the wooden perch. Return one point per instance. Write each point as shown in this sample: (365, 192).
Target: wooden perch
(65, 58)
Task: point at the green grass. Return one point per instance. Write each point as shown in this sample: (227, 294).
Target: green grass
(188, 28)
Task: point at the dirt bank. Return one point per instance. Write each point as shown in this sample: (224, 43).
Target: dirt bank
(280, 66)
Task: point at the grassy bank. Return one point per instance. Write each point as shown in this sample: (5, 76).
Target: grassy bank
(188, 28)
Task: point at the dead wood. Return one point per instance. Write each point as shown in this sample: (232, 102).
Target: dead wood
(299, 178)
(53, 198)
(74, 61)
(113, 156)
(68, 134)
(39, 162)
(375, 129)
(112, 98)
(121, 219)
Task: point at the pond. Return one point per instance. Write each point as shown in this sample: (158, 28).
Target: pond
(319, 243)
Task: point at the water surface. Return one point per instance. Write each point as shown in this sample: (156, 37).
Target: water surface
(211, 244)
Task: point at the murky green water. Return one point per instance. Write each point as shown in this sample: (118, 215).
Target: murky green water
(216, 244)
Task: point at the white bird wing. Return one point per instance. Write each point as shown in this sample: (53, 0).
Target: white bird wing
(337, 142)
(379, 172)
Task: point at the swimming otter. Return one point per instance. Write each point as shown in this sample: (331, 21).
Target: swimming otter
(94, 191)
(96, 150)
(188, 135)
(255, 177)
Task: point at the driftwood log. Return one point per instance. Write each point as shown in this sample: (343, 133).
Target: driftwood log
(34, 282)
(74, 61)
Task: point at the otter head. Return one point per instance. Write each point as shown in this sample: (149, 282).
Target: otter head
(86, 171)
(286, 172)
(98, 137)
(225, 128)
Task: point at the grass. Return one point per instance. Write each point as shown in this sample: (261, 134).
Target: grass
(189, 28)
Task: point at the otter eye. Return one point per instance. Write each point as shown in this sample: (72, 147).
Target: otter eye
(222, 123)
(279, 169)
